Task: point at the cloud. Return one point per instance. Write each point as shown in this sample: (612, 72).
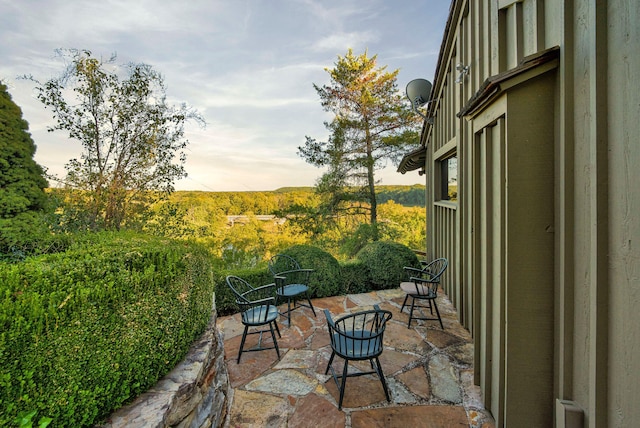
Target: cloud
(248, 66)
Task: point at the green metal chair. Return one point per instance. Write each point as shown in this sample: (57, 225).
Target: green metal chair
(258, 308)
(423, 286)
(292, 283)
(357, 336)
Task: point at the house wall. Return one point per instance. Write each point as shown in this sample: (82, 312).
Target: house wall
(623, 199)
(591, 129)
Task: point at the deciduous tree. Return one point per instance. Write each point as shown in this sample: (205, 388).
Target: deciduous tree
(133, 140)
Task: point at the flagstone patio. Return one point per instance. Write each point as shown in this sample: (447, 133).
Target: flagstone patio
(429, 372)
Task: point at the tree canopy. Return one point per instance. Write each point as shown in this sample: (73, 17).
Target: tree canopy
(372, 125)
(22, 181)
(133, 140)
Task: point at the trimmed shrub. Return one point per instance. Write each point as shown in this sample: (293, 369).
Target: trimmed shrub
(386, 261)
(355, 275)
(327, 279)
(84, 331)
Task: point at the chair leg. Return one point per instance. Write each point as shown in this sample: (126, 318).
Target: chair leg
(289, 310)
(378, 369)
(275, 342)
(404, 303)
(310, 304)
(277, 328)
(438, 313)
(413, 302)
(344, 383)
(244, 337)
(333, 354)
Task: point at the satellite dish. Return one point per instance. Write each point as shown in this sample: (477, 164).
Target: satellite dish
(418, 92)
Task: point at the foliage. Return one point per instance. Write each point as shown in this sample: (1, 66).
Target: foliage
(22, 183)
(239, 242)
(362, 236)
(372, 125)
(385, 261)
(327, 277)
(355, 275)
(24, 420)
(130, 136)
(84, 331)
(408, 196)
(331, 278)
(405, 225)
(251, 240)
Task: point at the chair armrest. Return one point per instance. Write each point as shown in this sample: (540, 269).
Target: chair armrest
(263, 293)
(327, 315)
(423, 280)
(293, 276)
(295, 271)
(268, 300)
(265, 287)
(410, 270)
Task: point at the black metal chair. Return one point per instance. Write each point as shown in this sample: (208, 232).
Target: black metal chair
(423, 285)
(258, 308)
(357, 336)
(292, 283)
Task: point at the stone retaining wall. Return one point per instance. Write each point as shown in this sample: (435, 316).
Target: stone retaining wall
(194, 395)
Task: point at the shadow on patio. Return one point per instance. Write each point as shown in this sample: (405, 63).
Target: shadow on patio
(429, 372)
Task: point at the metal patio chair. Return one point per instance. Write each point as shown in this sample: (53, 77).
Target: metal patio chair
(258, 309)
(292, 283)
(423, 286)
(357, 336)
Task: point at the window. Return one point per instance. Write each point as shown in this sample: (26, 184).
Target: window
(449, 178)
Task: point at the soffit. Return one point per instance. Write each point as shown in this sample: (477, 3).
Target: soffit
(413, 160)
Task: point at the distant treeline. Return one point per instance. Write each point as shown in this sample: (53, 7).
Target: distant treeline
(269, 202)
(408, 196)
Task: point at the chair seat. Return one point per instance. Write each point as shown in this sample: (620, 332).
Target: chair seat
(292, 290)
(416, 290)
(260, 315)
(357, 336)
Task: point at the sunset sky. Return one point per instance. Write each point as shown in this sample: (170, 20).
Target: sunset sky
(248, 66)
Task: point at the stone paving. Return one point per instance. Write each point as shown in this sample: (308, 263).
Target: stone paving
(429, 372)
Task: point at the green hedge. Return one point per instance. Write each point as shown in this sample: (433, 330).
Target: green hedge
(326, 280)
(355, 275)
(84, 331)
(385, 262)
(378, 265)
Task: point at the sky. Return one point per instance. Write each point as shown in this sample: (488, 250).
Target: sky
(247, 66)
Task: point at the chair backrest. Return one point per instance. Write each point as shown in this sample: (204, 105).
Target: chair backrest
(282, 263)
(255, 303)
(358, 335)
(240, 288)
(435, 269)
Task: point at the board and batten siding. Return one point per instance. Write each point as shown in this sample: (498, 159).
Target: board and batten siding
(538, 101)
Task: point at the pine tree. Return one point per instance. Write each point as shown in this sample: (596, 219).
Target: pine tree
(22, 183)
(372, 125)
